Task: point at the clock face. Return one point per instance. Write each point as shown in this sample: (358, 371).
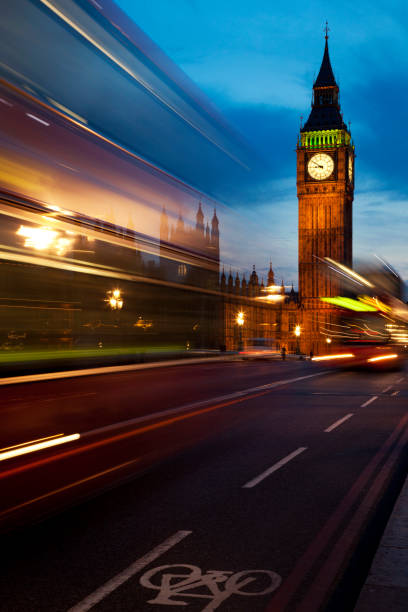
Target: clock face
(350, 169)
(320, 166)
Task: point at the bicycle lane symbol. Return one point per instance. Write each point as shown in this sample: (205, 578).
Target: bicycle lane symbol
(177, 582)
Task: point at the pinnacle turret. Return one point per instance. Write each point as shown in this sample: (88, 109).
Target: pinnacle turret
(200, 219)
(271, 276)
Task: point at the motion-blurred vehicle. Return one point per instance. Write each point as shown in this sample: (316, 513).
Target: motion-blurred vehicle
(369, 325)
(363, 355)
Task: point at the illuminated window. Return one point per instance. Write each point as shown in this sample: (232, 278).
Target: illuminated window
(182, 270)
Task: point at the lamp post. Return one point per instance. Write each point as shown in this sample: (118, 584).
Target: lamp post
(114, 299)
(328, 341)
(297, 334)
(240, 320)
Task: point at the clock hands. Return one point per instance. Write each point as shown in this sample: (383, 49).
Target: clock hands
(320, 170)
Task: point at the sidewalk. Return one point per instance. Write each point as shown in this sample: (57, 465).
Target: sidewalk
(386, 586)
(24, 378)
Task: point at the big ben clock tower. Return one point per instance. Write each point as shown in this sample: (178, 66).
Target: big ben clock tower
(325, 188)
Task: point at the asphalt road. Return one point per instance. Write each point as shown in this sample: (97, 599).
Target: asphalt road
(259, 486)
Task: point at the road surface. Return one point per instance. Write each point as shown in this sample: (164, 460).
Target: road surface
(243, 487)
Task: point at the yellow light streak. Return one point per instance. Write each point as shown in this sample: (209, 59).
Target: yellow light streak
(31, 448)
(271, 297)
(325, 357)
(382, 357)
(30, 442)
(64, 109)
(350, 272)
(374, 301)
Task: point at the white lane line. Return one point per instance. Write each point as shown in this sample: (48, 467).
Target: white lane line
(273, 468)
(395, 393)
(119, 579)
(387, 389)
(339, 422)
(372, 399)
(400, 379)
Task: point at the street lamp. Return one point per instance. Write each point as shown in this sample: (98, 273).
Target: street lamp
(240, 320)
(297, 334)
(114, 299)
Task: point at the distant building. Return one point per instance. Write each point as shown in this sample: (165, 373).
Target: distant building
(272, 320)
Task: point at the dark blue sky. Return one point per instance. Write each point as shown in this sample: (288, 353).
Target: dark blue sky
(256, 61)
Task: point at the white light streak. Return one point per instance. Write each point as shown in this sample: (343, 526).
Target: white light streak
(37, 119)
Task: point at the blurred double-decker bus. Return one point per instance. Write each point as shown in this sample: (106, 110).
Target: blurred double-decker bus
(110, 159)
(370, 327)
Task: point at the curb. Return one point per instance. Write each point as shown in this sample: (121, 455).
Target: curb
(14, 380)
(386, 586)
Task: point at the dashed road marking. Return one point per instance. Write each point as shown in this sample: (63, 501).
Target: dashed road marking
(339, 422)
(372, 399)
(400, 379)
(387, 389)
(115, 582)
(273, 468)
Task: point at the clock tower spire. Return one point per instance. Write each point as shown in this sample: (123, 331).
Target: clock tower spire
(325, 188)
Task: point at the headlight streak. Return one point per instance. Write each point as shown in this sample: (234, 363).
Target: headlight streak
(327, 357)
(30, 442)
(382, 357)
(32, 448)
